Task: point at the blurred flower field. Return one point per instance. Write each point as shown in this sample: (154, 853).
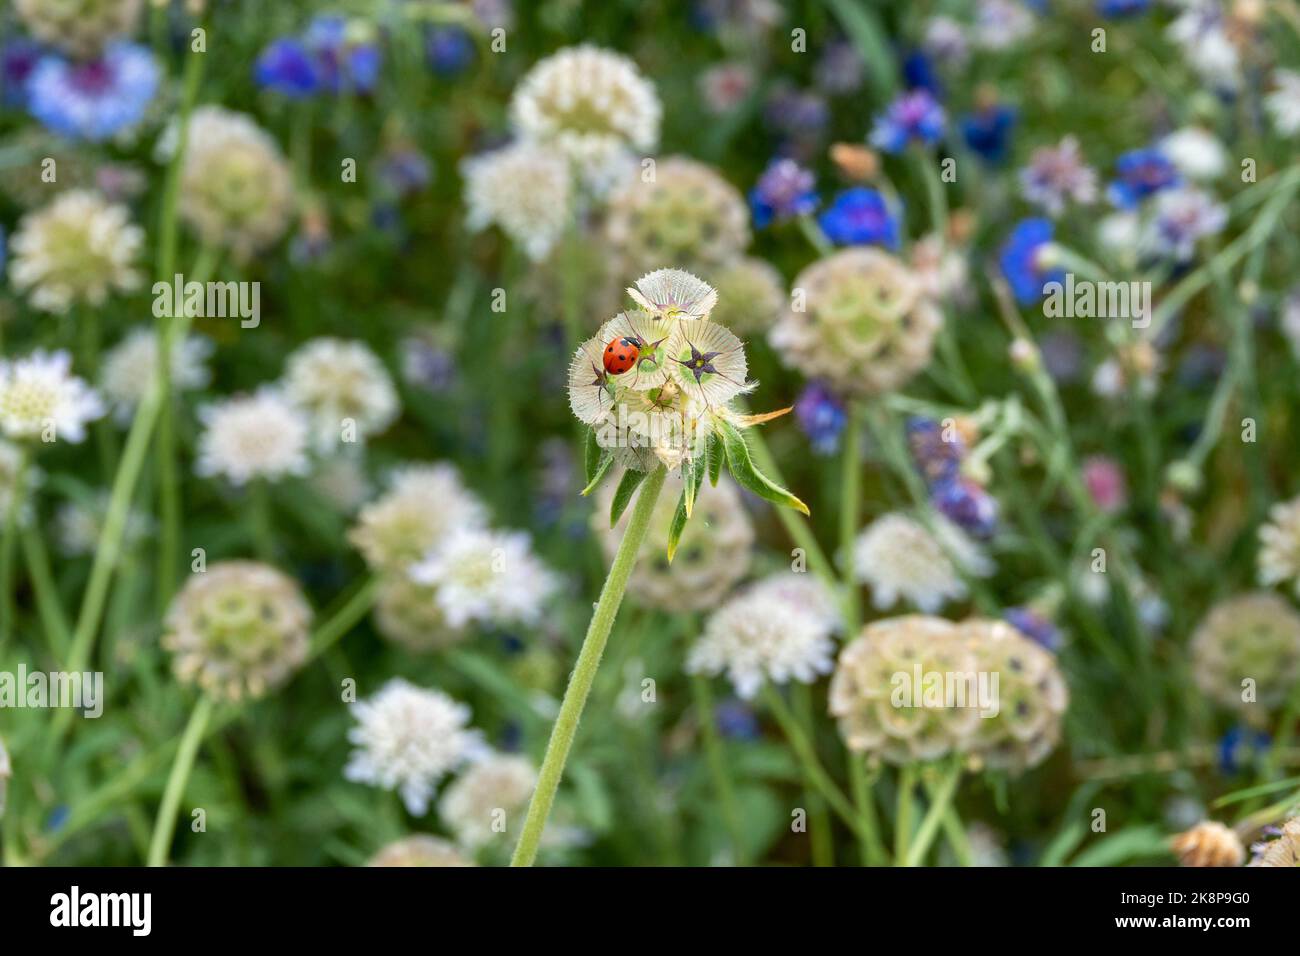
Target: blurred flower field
(707, 433)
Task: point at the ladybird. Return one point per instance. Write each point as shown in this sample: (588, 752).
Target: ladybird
(621, 354)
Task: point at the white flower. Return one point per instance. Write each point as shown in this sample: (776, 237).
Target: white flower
(491, 577)
(1119, 233)
(423, 505)
(1283, 104)
(39, 397)
(945, 41)
(1199, 30)
(1279, 545)
(1058, 174)
(495, 788)
(253, 436)
(408, 739)
(1181, 218)
(130, 366)
(900, 558)
(594, 106)
(336, 383)
(1196, 152)
(525, 189)
(77, 249)
(79, 522)
(1000, 24)
(761, 634)
(674, 294)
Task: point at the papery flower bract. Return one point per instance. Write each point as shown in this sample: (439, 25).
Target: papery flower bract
(41, 399)
(419, 849)
(337, 382)
(487, 577)
(859, 216)
(422, 505)
(902, 559)
(1209, 843)
(237, 629)
(1279, 546)
(494, 787)
(785, 190)
(81, 27)
(96, 99)
(673, 294)
(1021, 260)
(707, 362)
(1253, 636)
(751, 295)
(1057, 175)
(77, 249)
(129, 368)
(408, 739)
(1283, 850)
(262, 435)
(1141, 173)
(914, 117)
(525, 189)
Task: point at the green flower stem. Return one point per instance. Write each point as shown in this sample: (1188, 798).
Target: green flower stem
(850, 497)
(165, 824)
(903, 813)
(584, 671)
(7, 547)
(940, 801)
(823, 847)
(259, 516)
(48, 606)
(871, 849)
(717, 759)
(812, 231)
(1068, 260)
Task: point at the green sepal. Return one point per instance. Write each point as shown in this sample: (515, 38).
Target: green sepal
(591, 455)
(623, 494)
(715, 455)
(680, 517)
(742, 468)
(602, 469)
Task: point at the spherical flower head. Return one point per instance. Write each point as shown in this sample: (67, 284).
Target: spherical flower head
(1182, 217)
(1283, 849)
(915, 117)
(81, 27)
(1058, 175)
(408, 739)
(1279, 546)
(486, 577)
(1209, 843)
(40, 399)
(1283, 103)
(236, 188)
(1022, 260)
(1141, 173)
(687, 215)
(21, 184)
(94, 99)
(526, 190)
(262, 435)
(408, 613)
(1001, 24)
(765, 633)
(422, 505)
(860, 217)
(486, 802)
(860, 320)
(712, 556)
(238, 629)
(902, 559)
(784, 191)
(751, 295)
(1255, 637)
(129, 368)
(343, 388)
(593, 106)
(822, 416)
(419, 850)
(77, 250)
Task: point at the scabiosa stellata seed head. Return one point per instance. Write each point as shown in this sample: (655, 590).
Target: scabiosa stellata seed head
(1022, 260)
(673, 294)
(81, 27)
(94, 99)
(236, 188)
(238, 629)
(822, 416)
(862, 322)
(1283, 849)
(1279, 546)
(1058, 175)
(914, 117)
(784, 191)
(900, 558)
(591, 105)
(420, 849)
(1256, 637)
(525, 189)
(408, 739)
(78, 249)
(129, 368)
(262, 435)
(337, 382)
(422, 505)
(1141, 173)
(751, 295)
(494, 788)
(860, 217)
(1209, 843)
(41, 399)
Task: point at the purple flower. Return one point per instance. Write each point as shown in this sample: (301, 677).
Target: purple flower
(840, 68)
(345, 59)
(784, 190)
(285, 67)
(936, 458)
(1058, 174)
(913, 117)
(858, 217)
(736, 720)
(1020, 260)
(95, 99)
(821, 415)
(449, 50)
(967, 505)
(1034, 626)
(797, 113)
(18, 58)
(1141, 173)
(988, 132)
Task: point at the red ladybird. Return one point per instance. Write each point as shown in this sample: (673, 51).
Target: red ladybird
(621, 354)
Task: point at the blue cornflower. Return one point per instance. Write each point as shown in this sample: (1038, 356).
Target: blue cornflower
(988, 131)
(919, 74)
(736, 720)
(347, 59)
(967, 505)
(449, 49)
(859, 216)
(18, 58)
(1034, 626)
(1239, 747)
(821, 415)
(936, 458)
(1117, 9)
(915, 116)
(1141, 173)
(1020, 260)
(95, 99)
(784, 190)
(285, 67)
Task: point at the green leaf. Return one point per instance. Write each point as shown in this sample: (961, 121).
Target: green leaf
(693, 472)
(623, 495)
(716, 455)
(1132, 843)
(601, 470)
(591, 455)
(742, 468)
(680, 517)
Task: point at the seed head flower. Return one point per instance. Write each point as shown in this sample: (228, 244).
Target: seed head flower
(862, 323)
(901, 558)
(1279, 546)
(673, 294)
(40, 397)
(81, 27)
(129, 368)
(419, 849)
(494, 788)
(262, 435)
(337, 381)
(408, 613)
(591, 105)
(422, 505)
(238, 629)
(486, 577)
(1283, 849)
(407, 739)
(77, 249)
(526, 190)
(1253, 636)
(751, 295)
(1209, 843)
